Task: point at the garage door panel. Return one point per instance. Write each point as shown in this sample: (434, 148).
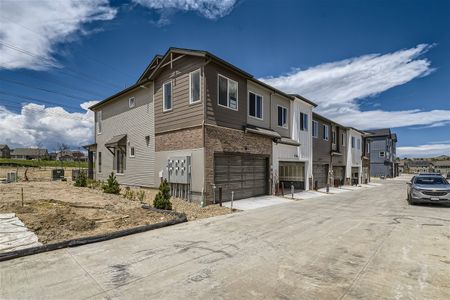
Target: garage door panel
(246, 175)
(320, 173)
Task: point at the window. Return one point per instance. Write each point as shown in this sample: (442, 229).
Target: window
(255, 105)
(303, 122)
(99, 121)
(99, 162)
(167, 96)
(227, 92)
(353, 142)
(358, 144)
(282, 116)
(147, 140)
(368, 147)
(326, 132)
(381, 153)
(315, 129)
(131, 102)
(120, 161)
(194, 86)
(343, 139)
(131, 151)
(333, 137)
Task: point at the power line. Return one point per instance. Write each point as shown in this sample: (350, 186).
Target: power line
(83, 55)
(50, 63)
(37, 99)
(43, 89)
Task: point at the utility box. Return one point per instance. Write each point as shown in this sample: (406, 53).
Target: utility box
(11, 176)
(57, 174)
(179, 169)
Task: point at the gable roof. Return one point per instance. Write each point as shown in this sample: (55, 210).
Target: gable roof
(441, 163)
(304, 99)
(3, 146)
(153, 63)
(380, 132)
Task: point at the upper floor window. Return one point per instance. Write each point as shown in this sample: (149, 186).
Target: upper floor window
(303, 121)
(282, 116)
(167, 96)
(228, 92)
(358, 144)
(315, 129)
(381, 153)
(194, 86)
(99, 121)
(368, 147)
(326, 132)
(131, 102)
(343, 139)
(333, 137)
(255, 103)
(353, 142)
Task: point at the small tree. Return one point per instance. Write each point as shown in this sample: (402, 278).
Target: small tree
(111, 186)
(81, 180)
(162, 199)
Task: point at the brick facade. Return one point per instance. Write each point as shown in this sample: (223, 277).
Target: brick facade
(222, 139)
(188, 138)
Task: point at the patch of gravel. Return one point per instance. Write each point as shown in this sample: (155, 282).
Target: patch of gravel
(194, 212)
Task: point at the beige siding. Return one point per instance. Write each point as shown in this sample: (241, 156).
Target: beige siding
(183, 114)
(265, 93)
(278, 100)
(219, 115)
(136, 123)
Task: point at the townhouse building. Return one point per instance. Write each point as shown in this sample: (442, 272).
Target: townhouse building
(210, 128)
(354, 166)
(383, 153)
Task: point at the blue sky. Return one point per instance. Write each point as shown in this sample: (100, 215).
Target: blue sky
(367, 63)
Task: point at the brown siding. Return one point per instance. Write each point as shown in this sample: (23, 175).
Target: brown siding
(183, 114)
(340, 160)
(219, 115)
(321, 147)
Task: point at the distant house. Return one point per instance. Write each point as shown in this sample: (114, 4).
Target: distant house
(69, 155)
(5, 152)
(417, 166)
(382, 152)
(29, 153)
(441, 166)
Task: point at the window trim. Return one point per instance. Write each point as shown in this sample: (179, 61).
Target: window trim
(344, 137)
(262, 106)
(134, 150)
(358, 143)
(228, 93)
(287, 117)
(353, 140)
(99, 121)
(326, 137)
(199, 87)
(317, 129)
(164, 96)
(304, 125)
(129, 102)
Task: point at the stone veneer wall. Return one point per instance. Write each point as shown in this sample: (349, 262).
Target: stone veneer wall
(188, 138)
(221, 139)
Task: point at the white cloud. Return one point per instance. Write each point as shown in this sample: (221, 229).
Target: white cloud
(31, 30)
(210, 9)
(339, 86)
(37, 124)
(429, 150)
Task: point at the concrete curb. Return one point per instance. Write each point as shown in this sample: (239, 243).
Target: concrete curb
(179, 218)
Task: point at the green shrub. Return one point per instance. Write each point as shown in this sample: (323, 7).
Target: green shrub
(162, 199)
(81, 180)
(140, 196)
(94, 184)
(111, 186)
(129, 194)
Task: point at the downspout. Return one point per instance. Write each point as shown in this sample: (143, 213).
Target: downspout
(204, 134)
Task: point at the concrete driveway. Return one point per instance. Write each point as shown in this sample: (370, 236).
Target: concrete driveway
(256, 202)
(366, 244)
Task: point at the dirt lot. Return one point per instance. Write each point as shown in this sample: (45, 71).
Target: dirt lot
(58, 211)
(34, 174)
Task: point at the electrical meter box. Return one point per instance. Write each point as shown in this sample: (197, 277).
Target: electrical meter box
(179, 169)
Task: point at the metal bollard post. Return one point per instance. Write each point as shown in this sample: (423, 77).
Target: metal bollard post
(232, 198)
(220, 196)
(214, 193)
(292, 191)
